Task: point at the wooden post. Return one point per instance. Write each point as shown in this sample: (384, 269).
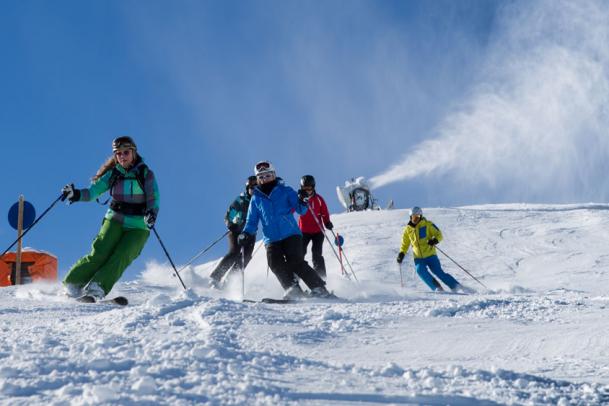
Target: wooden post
(20, 243)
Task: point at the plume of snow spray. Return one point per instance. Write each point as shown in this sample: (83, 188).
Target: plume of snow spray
(539, 114)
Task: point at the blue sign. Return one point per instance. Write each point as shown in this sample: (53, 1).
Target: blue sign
(29, 215)
(339, 240)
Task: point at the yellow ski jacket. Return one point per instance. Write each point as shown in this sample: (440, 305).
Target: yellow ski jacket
(418, 235)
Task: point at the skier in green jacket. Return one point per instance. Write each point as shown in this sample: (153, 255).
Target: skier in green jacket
(235, 221)
(125, 228)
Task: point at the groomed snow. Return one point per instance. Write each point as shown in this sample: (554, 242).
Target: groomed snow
(539, 336)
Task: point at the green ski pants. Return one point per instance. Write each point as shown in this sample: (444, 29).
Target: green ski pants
(114, 248)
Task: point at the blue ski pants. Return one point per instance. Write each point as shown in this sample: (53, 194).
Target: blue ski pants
(433, 263)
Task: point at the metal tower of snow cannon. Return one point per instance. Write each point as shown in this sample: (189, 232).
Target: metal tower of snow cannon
(356, 195)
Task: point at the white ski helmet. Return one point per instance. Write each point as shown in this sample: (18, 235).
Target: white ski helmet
(416, 211)
(263, 167)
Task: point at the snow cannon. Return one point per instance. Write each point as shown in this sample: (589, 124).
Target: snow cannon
(36, 266)
(356, 195)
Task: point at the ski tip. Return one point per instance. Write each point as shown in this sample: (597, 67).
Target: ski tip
(120, 300)
(85, 299)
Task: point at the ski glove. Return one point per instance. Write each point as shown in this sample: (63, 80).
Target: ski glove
(70, 193)
(234, 228)
(329, 225)
(303, 196)
(433, 241)
(245, 239)
(400, 257)
(150, 218)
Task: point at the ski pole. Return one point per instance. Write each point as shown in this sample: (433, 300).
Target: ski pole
(401, 275)
(61, 197)
(242, 272)
(323, 230)
(233, 267)
(340, 256)
(464, 270)
(168, 257)
(204, 251)
(346, 259)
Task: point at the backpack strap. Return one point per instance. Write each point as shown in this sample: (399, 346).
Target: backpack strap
(113, 178)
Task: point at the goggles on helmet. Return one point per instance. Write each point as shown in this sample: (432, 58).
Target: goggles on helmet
(263, 167)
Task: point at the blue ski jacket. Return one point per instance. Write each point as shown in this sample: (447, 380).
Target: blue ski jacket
(275, 212)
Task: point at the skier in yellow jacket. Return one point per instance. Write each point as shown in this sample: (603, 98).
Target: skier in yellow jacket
(423, 235)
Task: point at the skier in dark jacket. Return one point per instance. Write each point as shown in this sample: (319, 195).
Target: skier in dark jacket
(273, 204)
(235, 221)
(312, 224)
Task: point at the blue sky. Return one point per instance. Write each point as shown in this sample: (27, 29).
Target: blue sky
(207, 88)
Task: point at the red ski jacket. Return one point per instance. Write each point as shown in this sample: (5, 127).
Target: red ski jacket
(317, 207)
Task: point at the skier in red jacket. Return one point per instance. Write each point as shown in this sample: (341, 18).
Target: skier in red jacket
(313, 227)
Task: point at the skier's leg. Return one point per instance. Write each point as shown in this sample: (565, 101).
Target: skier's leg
(421, 268)
(295, 261)
(276, 261)
(306, 238)
(129, 248)
(247, 252)
(229, 259)
(436, 269)
(83, 270)
(318, 260)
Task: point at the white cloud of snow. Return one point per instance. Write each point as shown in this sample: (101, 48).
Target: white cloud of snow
(536, 123)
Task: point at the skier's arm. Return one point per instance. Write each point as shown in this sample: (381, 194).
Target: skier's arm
(435, 232)
(405, 242)
(153, 197)
(233, 212)
(325, 214)
(96, 188)
(293, 200)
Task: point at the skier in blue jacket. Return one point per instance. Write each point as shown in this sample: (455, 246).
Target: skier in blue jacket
(273, 204)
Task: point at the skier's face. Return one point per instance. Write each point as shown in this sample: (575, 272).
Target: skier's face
(308, 189)
(265, 177)
(415, 218)
(125, 157)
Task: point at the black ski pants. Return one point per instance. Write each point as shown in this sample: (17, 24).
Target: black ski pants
(316, 251)
(286, 260)
(233, 258)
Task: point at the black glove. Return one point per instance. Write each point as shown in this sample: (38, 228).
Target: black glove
(433, 241)
(303, 196)
(400, 257)
(329, 225)
(234, 228)
(150, 218)
(245, 239)
(71, 193)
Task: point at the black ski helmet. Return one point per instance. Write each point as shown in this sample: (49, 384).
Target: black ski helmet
(307, 180)
(251, 182)
(123, 142)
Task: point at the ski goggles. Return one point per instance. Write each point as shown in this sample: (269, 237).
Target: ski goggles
(265, 176)
(263, 167)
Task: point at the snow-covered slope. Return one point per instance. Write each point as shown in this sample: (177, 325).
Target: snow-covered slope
(539, 336)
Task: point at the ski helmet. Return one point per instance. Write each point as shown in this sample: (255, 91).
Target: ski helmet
(416, 211)
(251, 182)
(307, 180)
(263, 167)
(123, 142)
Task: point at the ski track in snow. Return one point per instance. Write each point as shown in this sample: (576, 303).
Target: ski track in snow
(539, 337)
